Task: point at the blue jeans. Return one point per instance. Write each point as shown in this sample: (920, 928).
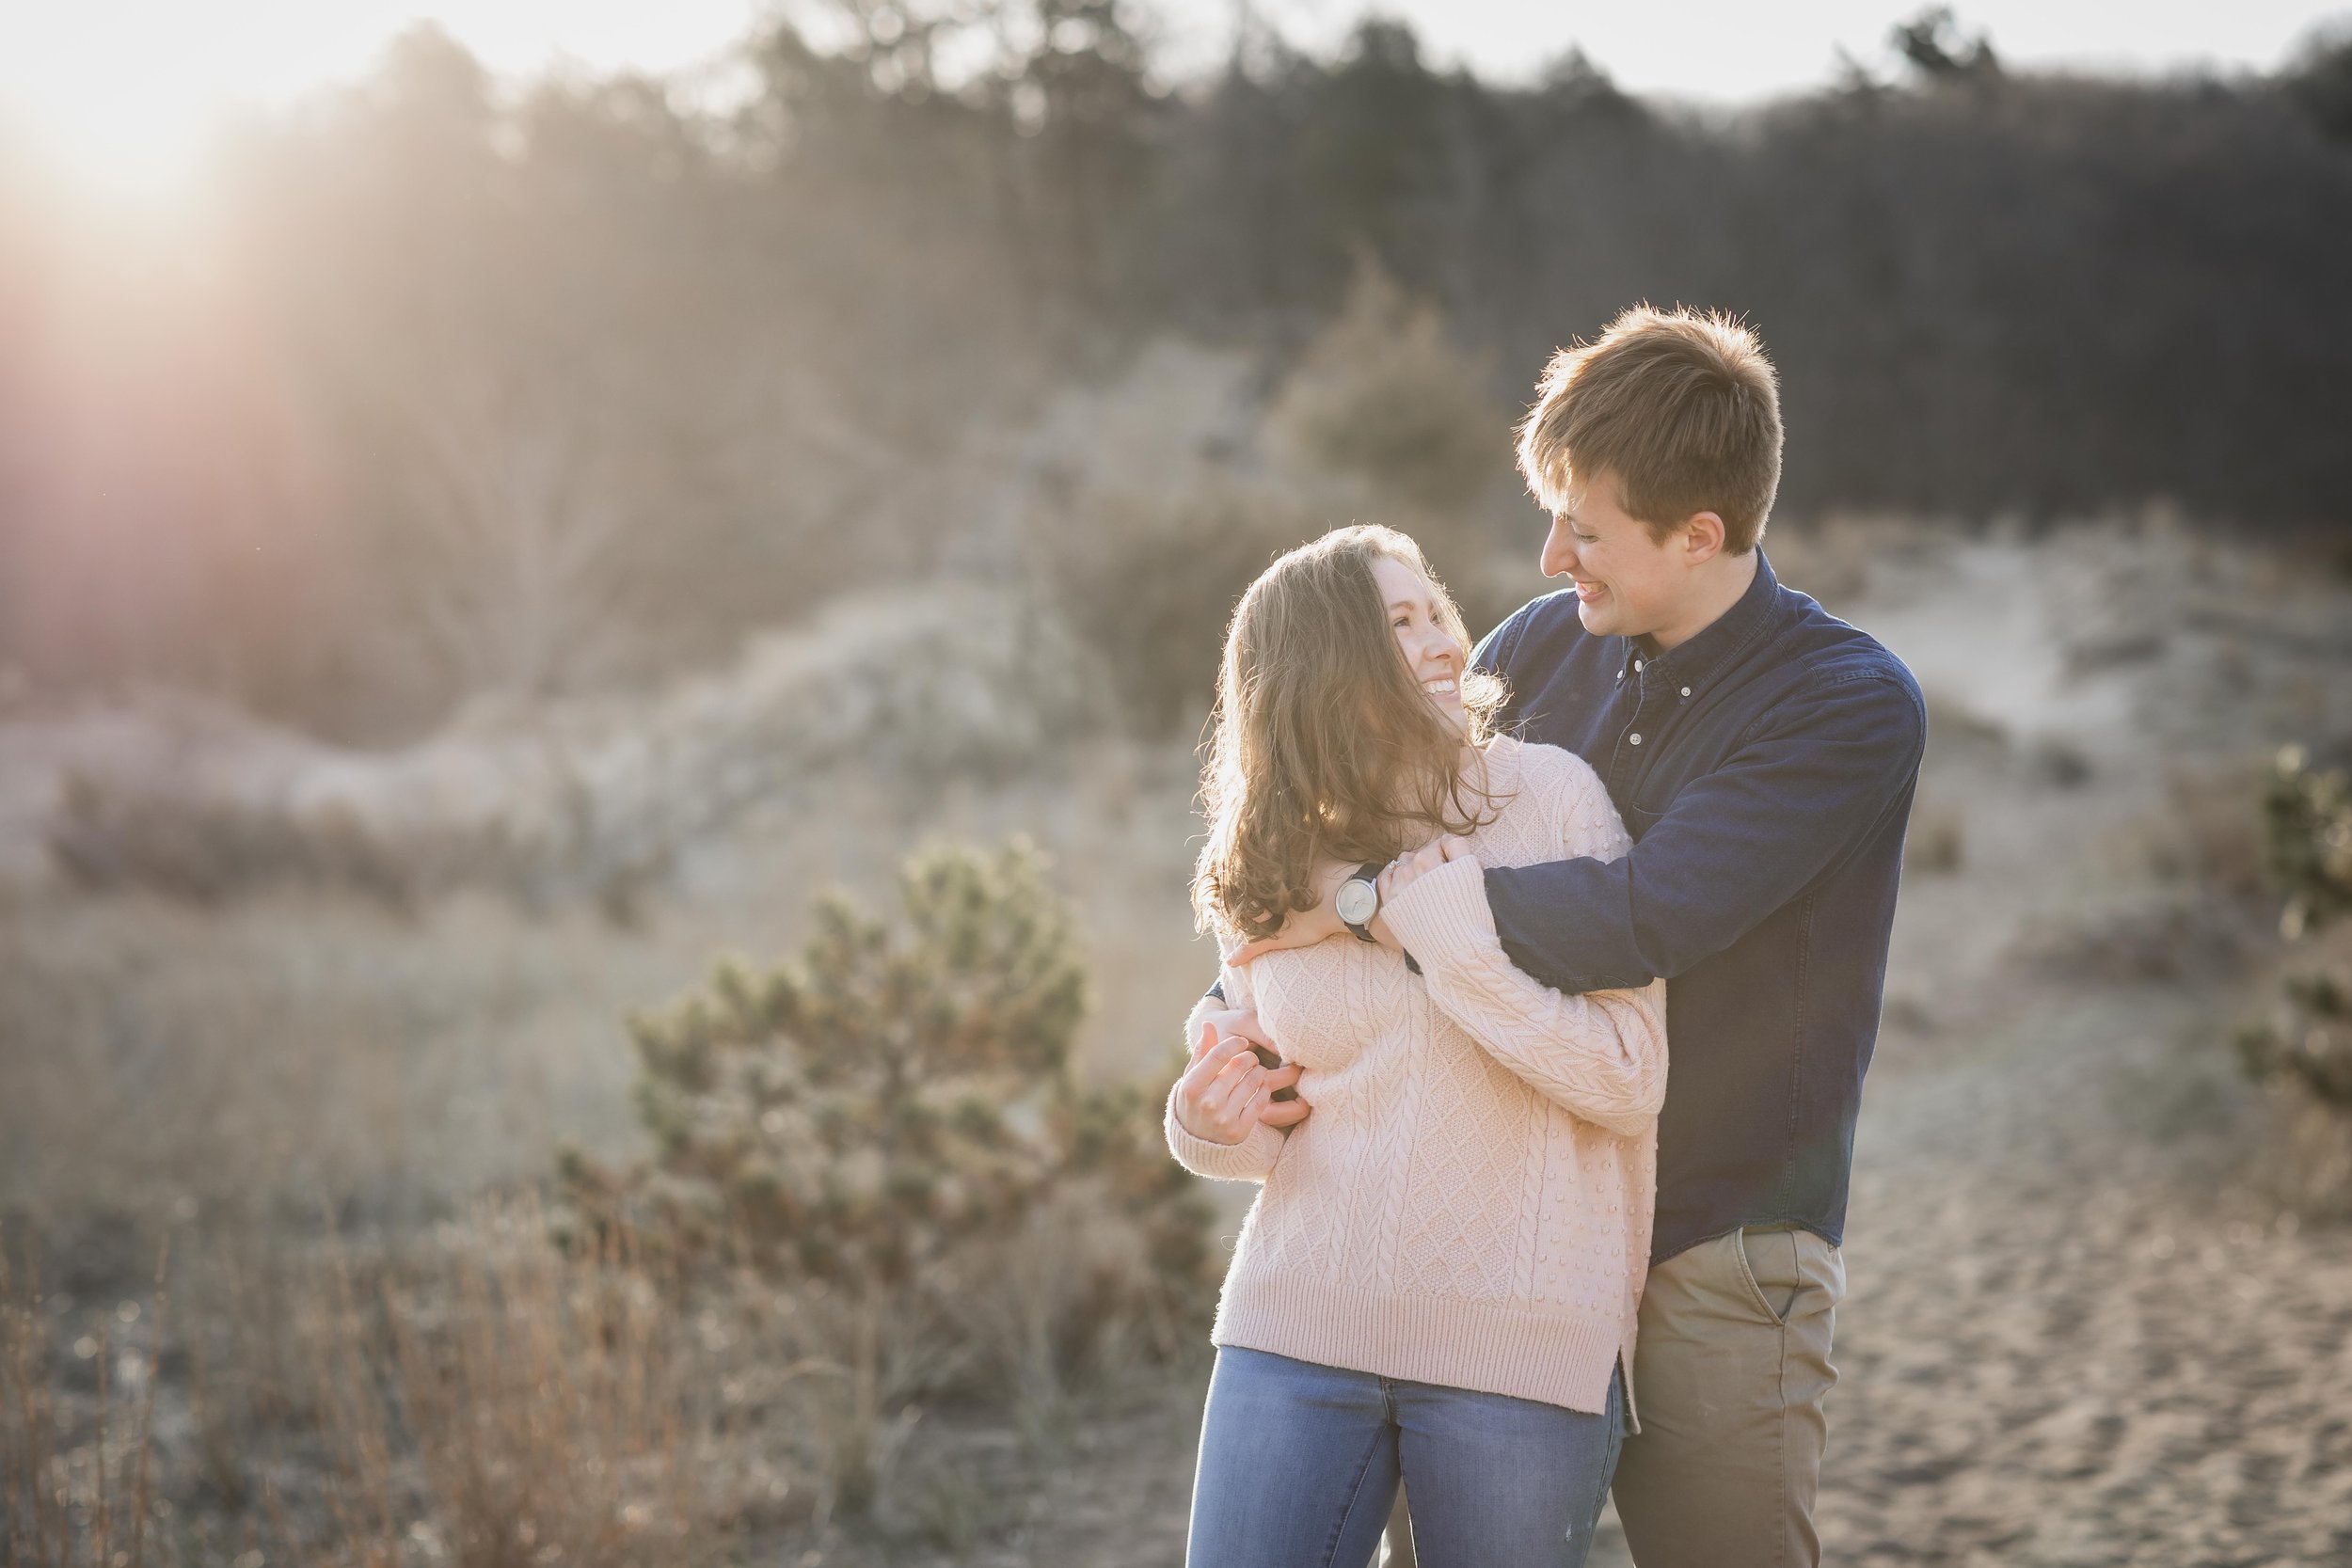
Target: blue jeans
(1299, 1464)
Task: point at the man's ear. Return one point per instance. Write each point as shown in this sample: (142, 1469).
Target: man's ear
(1701, 538)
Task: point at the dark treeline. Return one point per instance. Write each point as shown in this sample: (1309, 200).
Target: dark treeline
(533, 387)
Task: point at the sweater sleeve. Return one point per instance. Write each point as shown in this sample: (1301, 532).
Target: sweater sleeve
(1249, 1160)
(1601, 1055)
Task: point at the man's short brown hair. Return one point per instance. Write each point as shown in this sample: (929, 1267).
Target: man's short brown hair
(1681, 405)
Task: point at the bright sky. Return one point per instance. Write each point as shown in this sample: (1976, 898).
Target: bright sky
(122, 92)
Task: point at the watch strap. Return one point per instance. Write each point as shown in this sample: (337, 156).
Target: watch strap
(1368, 872)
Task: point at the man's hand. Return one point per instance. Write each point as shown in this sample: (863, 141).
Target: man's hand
(1403, 871)
(1226, 1090)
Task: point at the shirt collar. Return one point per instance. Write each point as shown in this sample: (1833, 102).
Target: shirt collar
(1719, 643)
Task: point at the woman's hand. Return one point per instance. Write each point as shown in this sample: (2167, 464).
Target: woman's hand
(1405, 870)
(1226, 1091)
(1305, 928)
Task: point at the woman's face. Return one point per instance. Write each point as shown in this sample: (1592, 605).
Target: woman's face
(1432, 654)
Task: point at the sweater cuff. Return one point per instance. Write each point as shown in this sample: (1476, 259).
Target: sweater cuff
(1247, 1161)
(1444, 918)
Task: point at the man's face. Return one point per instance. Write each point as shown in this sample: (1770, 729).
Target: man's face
(1627, 584)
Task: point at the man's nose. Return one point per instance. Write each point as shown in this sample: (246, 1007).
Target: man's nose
(1558, 557)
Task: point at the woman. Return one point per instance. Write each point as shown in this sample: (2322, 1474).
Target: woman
(1438, 1280)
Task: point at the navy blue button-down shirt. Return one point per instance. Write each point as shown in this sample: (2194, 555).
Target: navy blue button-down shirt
(1764, 770)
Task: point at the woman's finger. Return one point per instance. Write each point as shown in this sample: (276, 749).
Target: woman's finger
(1210, 1064)
(1204, 1068)
(1233, 1093)
(1203, 1093)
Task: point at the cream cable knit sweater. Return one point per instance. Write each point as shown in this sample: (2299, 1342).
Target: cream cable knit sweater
(1470, 1203)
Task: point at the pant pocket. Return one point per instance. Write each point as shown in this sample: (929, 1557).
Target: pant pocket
(1772, 1270)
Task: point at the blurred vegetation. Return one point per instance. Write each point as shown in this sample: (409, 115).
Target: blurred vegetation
(876, 1125)
(536, 387)
(2307, 817)
(2307, 813)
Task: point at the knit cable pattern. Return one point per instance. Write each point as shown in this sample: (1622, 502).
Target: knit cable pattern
(1470, 1203)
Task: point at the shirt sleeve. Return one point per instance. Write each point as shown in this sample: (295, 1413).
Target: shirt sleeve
(1808, 785)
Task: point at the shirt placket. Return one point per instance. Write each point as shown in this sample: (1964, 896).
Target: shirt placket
(1637, 737)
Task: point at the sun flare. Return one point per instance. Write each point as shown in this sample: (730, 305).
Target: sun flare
(114, 103)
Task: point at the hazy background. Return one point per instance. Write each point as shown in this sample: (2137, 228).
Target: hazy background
(500, 504)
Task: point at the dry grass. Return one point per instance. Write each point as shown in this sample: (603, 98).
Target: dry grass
(496, 1404)
(418, 1391)
(475, 1395)
(478, 1399)
(299, 1044)
(76, 1468)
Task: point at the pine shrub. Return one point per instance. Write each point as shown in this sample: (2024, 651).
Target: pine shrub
(2303, 1045)
(886, 1127)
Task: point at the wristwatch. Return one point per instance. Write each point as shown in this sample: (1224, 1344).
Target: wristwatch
(1359, 899)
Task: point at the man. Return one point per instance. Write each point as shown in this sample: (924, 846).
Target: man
(1763, 755)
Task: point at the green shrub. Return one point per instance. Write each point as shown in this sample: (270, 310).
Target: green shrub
(2308, 1037)
(2304, 1043)
(2307, 813)
(887, 1128)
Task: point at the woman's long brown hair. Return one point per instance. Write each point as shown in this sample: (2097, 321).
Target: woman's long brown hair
(1323, 747)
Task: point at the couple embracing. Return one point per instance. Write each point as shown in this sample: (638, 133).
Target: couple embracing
(1501, 1256)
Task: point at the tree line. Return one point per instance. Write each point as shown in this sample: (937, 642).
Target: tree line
(545, 385)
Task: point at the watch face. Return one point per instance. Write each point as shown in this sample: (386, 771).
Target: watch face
(1358, 901)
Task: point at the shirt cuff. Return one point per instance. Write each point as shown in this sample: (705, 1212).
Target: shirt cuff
(1247, 1161)
(1443, 915)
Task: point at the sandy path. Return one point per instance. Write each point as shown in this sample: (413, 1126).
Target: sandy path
(2068, 1340)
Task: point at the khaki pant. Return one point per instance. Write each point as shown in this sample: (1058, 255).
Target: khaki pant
(1729, 1376)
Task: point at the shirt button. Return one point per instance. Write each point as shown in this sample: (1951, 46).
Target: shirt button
(1637, 666)
(1686, 691)
(1636, 738)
